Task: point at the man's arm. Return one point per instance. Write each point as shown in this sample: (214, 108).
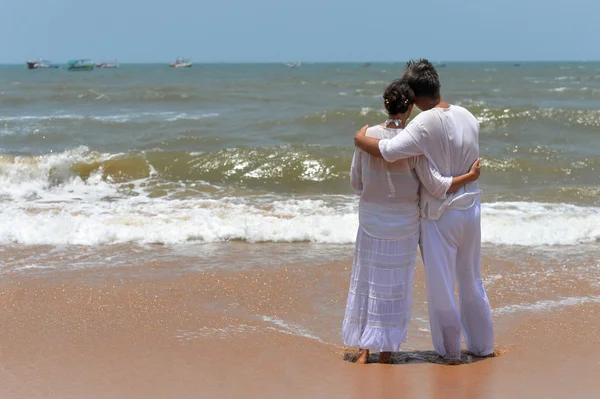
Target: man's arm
(404, 145)
(367, 144)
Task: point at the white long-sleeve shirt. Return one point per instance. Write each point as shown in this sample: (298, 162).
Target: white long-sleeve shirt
(389, 192)
(449, 139)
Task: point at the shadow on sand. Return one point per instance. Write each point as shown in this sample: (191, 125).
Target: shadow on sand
(421, 357)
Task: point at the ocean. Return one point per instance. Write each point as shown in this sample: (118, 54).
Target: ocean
(260, 153)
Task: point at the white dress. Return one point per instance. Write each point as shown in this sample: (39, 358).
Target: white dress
(380, 295)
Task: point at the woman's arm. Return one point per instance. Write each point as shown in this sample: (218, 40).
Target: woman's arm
(356, 172)
(438, 185)
(471, 175)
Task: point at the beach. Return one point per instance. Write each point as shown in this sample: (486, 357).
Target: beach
(188, 232)
(161, 329)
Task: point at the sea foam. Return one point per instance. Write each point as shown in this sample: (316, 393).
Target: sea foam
(169, 116)
(83, 221)
(546, 305)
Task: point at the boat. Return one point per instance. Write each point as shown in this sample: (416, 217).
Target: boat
(181, 62)
(107, 64)
(83, 64)
(293, 64)
(40, 64)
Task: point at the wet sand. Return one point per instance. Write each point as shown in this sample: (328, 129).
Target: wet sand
(154, 331)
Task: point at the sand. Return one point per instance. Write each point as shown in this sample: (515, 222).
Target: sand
(261, 332)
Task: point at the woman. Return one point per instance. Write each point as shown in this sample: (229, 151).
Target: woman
(380, 295)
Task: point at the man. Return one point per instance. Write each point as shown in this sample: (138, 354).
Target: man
(450, 229)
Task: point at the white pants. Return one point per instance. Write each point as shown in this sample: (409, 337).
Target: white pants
(451, 250)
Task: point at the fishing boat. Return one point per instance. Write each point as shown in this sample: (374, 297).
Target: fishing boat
(83, 64)
(40, 64)
(107, 64)
(181, 62)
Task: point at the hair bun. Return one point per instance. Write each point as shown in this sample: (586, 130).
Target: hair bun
(398, 97)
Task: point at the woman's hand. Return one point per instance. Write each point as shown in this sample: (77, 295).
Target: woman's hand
(475, 169)
(471, 175)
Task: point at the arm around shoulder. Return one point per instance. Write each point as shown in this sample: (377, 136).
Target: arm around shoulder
(369, 145)
(405, 144)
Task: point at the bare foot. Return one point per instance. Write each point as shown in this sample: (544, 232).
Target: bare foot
(385, 357)
(363, 356)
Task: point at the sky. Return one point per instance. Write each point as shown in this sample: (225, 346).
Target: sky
(304, 30)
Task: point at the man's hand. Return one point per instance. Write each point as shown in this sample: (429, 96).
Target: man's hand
(362, 131)
(475, 169)
(368, 144)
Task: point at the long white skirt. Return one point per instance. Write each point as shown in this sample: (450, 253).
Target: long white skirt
(380, 295)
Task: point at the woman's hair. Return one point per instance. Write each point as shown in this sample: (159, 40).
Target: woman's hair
(398, 97)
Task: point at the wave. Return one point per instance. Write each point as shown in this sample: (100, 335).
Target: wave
(282, 194)
(486, 115)
(168, 116)
(175, 94)
(354, 117)
(542, 162)
(501, 116)
(146, 220)
(283, 166)
(546, 305)
(287, 167)
(303, 169)
(97, 212)
(539, 224)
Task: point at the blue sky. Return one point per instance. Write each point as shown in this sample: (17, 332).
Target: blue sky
(305, 30)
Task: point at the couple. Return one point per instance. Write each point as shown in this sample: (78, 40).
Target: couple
(409, 198)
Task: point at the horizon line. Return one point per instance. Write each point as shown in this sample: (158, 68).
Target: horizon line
(340, 62)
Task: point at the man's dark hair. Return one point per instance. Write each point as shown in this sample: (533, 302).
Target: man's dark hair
(397, 97)
(422, 78)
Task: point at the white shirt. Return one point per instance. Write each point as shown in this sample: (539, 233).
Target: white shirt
(389, 192)
(449, 139)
